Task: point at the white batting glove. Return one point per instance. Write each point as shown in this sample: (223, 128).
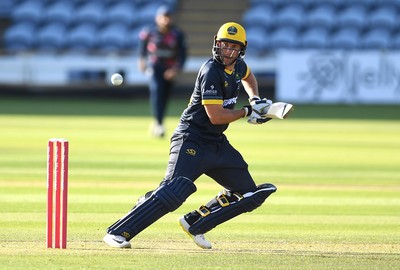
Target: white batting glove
(253, 117)
(261, 106)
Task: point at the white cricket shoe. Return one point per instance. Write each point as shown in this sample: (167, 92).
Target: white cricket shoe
(157, 130)
(117, 241)
(199, 239)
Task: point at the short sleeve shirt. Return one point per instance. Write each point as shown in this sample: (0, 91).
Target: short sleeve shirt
(214, 85)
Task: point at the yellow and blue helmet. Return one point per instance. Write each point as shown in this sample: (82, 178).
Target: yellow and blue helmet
(230, 32)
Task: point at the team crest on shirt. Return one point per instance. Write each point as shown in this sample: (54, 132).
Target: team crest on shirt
(238, 79)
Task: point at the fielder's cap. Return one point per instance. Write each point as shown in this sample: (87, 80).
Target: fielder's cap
(165, 10)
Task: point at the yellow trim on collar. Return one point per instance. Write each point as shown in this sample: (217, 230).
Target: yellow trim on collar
(229, 71)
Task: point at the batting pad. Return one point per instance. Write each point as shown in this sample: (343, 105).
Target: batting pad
(225, 210)
(166, 198)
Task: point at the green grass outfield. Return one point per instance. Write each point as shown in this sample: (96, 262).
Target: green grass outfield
(337, 169)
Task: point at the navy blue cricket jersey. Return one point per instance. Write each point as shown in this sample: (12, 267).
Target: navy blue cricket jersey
(214, 85)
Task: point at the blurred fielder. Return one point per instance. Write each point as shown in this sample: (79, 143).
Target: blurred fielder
(199, 146)
(162, 54)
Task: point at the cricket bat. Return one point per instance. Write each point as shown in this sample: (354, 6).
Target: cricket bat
(279, 110)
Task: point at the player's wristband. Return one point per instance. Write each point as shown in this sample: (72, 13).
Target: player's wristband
(254, 98)
(247, 110)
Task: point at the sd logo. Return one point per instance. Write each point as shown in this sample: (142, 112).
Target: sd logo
(191, 152)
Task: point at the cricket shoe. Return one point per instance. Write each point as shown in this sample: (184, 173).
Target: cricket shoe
(199, 239)
(117, 241)
(157, 130)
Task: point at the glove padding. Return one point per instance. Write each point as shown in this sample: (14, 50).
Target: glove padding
(253, 117)
(260, 106)
(257, 119)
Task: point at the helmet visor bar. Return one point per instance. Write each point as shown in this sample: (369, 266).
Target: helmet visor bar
(231, 41)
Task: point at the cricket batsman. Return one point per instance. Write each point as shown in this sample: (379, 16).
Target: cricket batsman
(199, 146)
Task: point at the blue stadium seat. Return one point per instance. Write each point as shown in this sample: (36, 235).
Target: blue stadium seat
(257, 39)
(51, 37)
(148, 12)
(376, 38)
(384, 16)
(132, 38)
(346, 38)
(124, 12)
(292, 14)
(395, 41)
(20, 37)
(345, 4)
(112, 38)
(90, 12)
(81, 38)
(262, 15)
(28, 11)
(315, 37)
(353, 16)
(6, 7)
(60, 11)
(323, 15)
(284, 37)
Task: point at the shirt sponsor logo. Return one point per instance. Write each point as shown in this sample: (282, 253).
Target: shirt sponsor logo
(210, 92)
(230, 101)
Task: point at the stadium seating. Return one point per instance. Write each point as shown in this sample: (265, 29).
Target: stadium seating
(315, 38)
(353, 15)
(261, 15)
(60, 11)
(284, 37)
(112, 37)
(73, 25)
(323, 15)
(376, 38)
(81, 38)
(258, 38)
(346, 38)
(395, 41)
(384, 16)
(51, 37)
(28, 11)
(291, 14)
(147, 12)
(6, 8)
(123, 12)
(325, 24)
(90, 12)
(70, 25)
(20, 37)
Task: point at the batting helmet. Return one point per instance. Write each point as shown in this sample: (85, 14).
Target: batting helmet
(230, 32)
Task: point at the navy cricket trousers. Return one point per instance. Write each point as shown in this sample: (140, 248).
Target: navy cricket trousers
(190, 156)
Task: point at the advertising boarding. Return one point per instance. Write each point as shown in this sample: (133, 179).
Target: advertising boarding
(370, 77)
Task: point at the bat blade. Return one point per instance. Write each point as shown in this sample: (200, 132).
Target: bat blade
(279, 110)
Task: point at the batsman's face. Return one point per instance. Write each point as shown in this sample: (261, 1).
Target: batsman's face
(229, 52)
